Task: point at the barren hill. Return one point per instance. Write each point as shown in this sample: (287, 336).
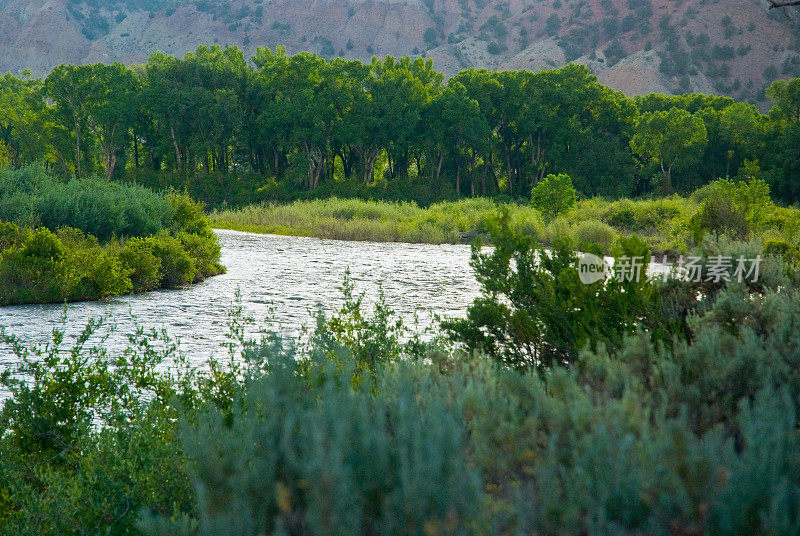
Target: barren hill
(731, 47)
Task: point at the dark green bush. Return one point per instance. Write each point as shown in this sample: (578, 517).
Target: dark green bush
(103, 209)
(721, 216)
(166, 241)
(535, 311)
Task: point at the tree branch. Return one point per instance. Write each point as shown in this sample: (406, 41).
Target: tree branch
(774, 4)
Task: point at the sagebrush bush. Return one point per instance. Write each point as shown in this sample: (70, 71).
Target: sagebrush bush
(689, 435)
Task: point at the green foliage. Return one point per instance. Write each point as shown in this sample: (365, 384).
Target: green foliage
(87, 439)
(595, 233)
(205, 251)
(664, 223)
(145, 268)
(667, 137)
(729, 207)
(785, 94)
(331, 458)
(355, 219)
(187, 215)
(176, 268)
(137, 252)
(695, 433)
(554, 195)
(281, 127)
(96, 206)
(534, 309)
(35, 269)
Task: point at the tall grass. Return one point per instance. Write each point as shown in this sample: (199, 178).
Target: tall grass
(374, 221)
(356, 219)
(667, 225)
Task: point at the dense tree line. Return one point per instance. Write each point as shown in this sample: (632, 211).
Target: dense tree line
(305, 122)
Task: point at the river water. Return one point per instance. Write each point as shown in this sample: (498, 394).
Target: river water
(280, 281)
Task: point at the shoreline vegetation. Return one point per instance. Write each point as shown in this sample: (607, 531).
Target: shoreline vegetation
(88, 239)
(669, 225)
(553, 407)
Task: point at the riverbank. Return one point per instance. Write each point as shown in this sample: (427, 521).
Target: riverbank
(669, 225)
(89, 239)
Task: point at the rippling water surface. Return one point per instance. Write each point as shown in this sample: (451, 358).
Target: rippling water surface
(281, 278)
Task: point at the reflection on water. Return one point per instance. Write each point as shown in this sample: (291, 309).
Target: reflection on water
(281, 278)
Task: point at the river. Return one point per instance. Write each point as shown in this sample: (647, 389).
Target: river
(280, 281)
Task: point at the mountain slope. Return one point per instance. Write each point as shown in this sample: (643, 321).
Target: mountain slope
(732, 47)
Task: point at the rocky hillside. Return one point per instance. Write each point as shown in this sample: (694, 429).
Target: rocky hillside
(718, 46)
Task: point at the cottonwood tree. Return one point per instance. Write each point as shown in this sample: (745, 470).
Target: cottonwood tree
(741, 129)
(69, 88)
(785, 96)
(109, 107)
(668, 137)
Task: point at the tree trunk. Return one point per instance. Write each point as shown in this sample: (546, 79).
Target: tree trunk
(667, 177)
(175, 144)
(439, 166)
(110, 161)
(508, 173)
(77, 148)
(483, 177)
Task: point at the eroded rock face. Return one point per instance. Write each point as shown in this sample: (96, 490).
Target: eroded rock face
(636, 46)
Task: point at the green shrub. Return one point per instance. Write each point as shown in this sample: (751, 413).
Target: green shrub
(104, 209)
(594, 232)
(554, 195)
(177, 268)
(36, 271)
(10, 235)
(720, 215)
(309, 453)
(91, 216)
(144, 267)
(205, 250)
(186, 215)
(69, 266)
(534, 310)
(98, 271)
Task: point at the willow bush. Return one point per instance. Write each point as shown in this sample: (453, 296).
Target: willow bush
(89, 239)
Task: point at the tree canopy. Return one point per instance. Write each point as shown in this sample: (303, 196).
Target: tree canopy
(308, 124)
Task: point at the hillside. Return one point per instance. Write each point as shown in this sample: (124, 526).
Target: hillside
(731, 47)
